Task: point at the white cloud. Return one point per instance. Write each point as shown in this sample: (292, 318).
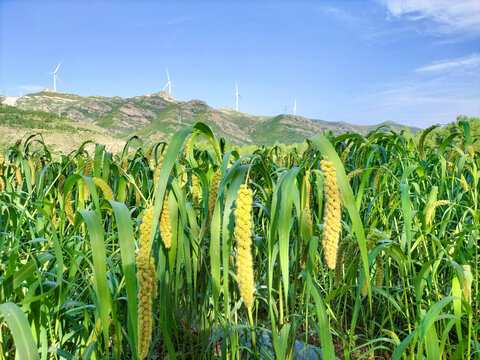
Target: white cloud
(445, 17)
(436, 93)
(452, 64)
(30, 88)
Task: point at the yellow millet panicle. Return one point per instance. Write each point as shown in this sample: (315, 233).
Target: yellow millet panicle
(354, 173)
(18, 176)
(463, 183)
(243, 232)
(145, 230)
(54, 215)
(38, 162)
(194, 190)
(212, 196)
(346, 152)
(165, 226)
(471, 151)
(2, 184)
(307, 201)
(147, 280)
(432, 208)
(68, 207)
(2, 160)
(392, 198)
(183, 176)
(137, 197)
(147, 285)
(156, 174)
(331, 223)
(61, 181)
(467, 282)
(32, 171)
(107, 191)
(188, 147)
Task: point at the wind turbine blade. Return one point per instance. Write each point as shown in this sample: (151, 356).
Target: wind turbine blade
(166, 85)
(60, 63)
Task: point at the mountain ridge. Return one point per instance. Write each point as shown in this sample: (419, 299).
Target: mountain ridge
(155, 117)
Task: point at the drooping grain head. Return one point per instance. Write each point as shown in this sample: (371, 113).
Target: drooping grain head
(421, 142)
(346, 152)
(156, 174)
(32, 171)
(107, 191)
(331, 223)
(147, 285)
(431, 209)
(354, 173)
(471, 151)
(38, 162)
(243, 232)
(378, 178)
(165, 226)
(68, 206)
(212, 195)
(463, 183)
(195, 190)
(188, 147)
(339, 264)
(18, 176)
(145, 230)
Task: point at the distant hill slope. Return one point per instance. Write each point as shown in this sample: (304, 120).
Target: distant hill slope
(62, 135)
(156, 117)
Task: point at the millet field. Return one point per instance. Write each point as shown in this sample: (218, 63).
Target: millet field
(366, 247)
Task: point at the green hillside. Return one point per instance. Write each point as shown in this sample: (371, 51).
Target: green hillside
(155, 117)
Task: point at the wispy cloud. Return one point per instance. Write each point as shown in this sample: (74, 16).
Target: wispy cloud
(440, 17)
(435, 93)
(30, 88)
(471, 61)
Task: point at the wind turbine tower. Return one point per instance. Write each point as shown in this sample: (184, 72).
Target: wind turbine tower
(236, 96)
(168, 84)
(55, 76)
(295, 107)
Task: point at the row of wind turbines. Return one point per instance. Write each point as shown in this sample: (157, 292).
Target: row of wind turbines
(168, 85)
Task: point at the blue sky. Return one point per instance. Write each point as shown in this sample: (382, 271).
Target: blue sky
(416, 62)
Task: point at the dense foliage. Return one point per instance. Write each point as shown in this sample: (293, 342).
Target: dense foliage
(96, 249)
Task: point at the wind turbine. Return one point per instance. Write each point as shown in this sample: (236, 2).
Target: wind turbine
(237, 95)
(295, 107)
(168, 84)
(55, 76)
